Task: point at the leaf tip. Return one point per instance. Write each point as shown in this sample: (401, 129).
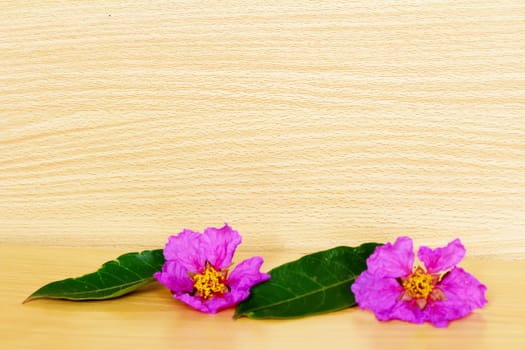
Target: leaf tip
(28, 299)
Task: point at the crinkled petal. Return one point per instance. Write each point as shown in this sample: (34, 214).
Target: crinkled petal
(221, 244)
(407, 311)
(189, 252)
(245, 275)
(392, 260)
(209, 306)
(188, 249)
(382, 295)
(379, 294)
(242, 278)
(442, 259)
(463, 293)
(175, 277)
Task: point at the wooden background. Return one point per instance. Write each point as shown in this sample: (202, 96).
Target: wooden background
(302, 125)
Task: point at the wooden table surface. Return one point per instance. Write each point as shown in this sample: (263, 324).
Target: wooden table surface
(151, 318)
(302, 125)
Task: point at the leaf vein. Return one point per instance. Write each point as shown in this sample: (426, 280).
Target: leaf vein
(298, 296)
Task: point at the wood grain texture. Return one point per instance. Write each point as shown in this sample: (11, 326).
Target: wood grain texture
(152, 319)
(303, 125)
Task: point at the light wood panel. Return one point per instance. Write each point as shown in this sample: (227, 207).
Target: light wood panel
(303, 125)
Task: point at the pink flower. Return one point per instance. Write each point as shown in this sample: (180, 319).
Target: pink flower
(197, 269)
(437, 292)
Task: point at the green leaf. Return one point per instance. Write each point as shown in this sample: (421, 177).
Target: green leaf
(115, 278)
(311, 285)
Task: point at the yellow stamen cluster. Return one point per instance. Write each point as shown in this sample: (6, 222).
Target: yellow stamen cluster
(210, 282)
(420, 286)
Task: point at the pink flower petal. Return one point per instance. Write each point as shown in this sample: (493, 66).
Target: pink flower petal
(240, 281)
(442, 259)
(382, 295)
(407, 311)
(175, 277)
(392, 260)
(209, 306)
(188, 249)
(463, 293)
(246, 274)
(221, 244)
(375, 293)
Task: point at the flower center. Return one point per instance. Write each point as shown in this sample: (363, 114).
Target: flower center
(210, 282)
(421, 287)
(419, 284)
